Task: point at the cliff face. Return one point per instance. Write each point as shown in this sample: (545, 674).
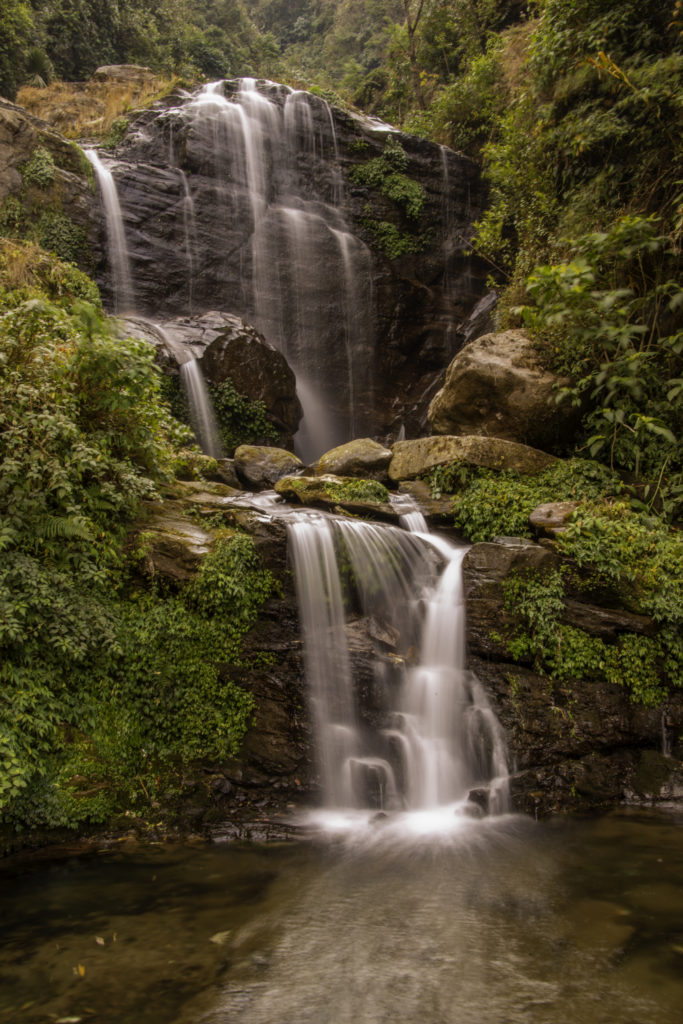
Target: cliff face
(272, 205)
(572, 745)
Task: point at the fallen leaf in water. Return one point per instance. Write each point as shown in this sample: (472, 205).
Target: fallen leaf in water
(79, 971)
(69, 1020)
(99, 940)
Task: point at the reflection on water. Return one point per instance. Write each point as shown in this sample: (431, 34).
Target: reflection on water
(497, 922)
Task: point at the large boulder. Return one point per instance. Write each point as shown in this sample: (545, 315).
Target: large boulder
(497, 386)
(123, 74)
(261, 467)
(360, 497)
(231, 349)
(413, 458)
(228, 348)
(362, 457)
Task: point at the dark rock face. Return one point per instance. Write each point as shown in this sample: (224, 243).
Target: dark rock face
(570, 746)
(294, 251)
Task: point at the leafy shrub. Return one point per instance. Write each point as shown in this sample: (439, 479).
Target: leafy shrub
(40, 169)
(386, 173)
(610, 318)
(240, 420)
(490, 504)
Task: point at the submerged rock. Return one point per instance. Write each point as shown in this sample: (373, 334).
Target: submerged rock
(261, 467)
(362, 457)
(413, 458)
(496, 386)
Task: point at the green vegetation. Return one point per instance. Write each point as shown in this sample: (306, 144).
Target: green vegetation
(110, 685)
(386, 175)
(240, 420)
(641, 561)
(34, 213)
(608, 545)
(69, 39)
(490, 504)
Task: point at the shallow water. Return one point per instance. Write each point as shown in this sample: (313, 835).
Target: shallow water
(494, 922)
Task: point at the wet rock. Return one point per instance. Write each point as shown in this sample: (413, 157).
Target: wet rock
(480, 798)
(404, 311)
(228, 348)
(435, 510)
(607, 623)
(413, 458)
(480, 320)
(360, 458)
(173, 545)
(260, 467)
(485, 569)
(336, 493)
(496, 386)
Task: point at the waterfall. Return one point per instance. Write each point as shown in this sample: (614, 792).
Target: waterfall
(119, 260)
(309, 275)
(202, 416)
(433, 739)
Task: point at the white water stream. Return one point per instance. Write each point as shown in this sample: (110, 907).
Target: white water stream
(430, 739)
(119, 259)
(300, 243)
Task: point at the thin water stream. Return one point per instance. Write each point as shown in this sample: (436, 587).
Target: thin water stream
(504, 921)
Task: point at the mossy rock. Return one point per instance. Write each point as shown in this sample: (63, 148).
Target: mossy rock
(260, 467)
(358, 496)
(360, 458)
(412, 459)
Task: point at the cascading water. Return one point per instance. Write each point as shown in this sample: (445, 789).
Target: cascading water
(119, 259)
(435, 737)
(201, 411)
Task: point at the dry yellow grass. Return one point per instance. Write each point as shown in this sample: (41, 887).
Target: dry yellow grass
(516, 43)
(87, 110)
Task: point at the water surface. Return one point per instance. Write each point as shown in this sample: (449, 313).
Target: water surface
(495, 922)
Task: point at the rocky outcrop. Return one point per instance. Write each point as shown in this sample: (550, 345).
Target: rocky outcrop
(227, 348)
(260, 468)
(52, 197)
(123, 74)
(497, 386)
(571, 745)
(413, 458)
(362, 457)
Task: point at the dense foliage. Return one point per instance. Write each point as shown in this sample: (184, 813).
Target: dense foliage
(69, 39)
(108, 687)
(610, 546)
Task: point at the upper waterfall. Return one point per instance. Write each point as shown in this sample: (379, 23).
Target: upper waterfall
(241, 197)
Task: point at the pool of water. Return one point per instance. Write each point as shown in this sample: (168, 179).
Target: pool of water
(496, 922)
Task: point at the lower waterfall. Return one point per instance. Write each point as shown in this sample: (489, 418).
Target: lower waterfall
(426, 738)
